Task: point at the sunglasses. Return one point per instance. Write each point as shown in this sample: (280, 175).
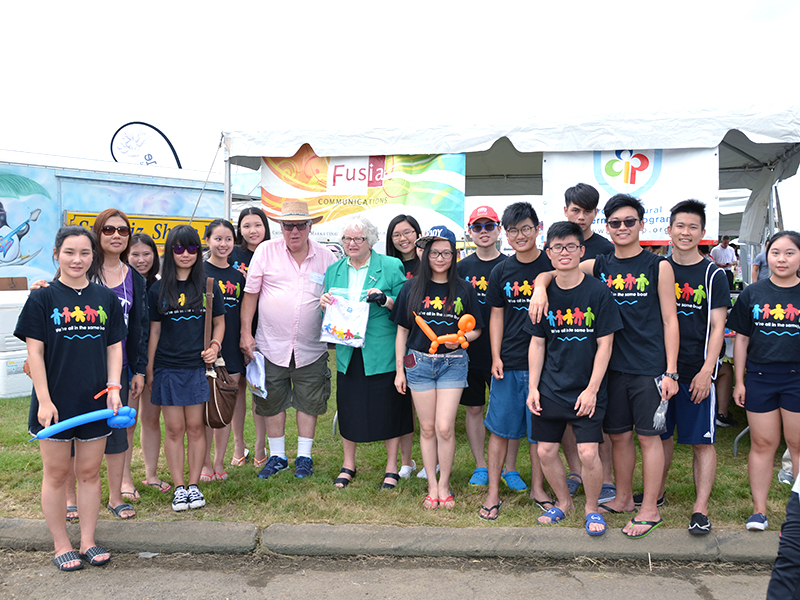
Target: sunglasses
(298, 226)
(182, 249)
(629, 222)
(110, 229)
(478, 227)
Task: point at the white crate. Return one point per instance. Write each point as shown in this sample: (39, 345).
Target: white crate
(13, 382)
(11, 303)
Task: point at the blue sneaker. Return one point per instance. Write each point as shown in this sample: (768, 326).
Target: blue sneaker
(303, 467)
(275, 464)
(513, 480)
(607, 493)
(757, 522)
(480, 476)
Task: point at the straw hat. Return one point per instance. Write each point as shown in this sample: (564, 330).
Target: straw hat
(295, 211)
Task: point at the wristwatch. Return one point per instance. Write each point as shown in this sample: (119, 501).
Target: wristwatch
(671, 376)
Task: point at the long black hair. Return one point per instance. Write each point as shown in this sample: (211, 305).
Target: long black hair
(390, 249)
(143, 238)
(417, 292)
(182, 235)
(63, 233)
(250, 210)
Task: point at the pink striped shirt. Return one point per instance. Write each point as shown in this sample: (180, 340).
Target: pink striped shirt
(289, 317)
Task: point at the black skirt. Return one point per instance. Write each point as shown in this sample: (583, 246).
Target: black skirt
(370, 408)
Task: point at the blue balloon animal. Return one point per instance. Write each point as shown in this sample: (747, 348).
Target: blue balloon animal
(125, 417)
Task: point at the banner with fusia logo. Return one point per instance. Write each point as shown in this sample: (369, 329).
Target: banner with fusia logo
(431, 188)
(659, 178)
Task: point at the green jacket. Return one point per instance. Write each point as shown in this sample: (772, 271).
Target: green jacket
(386, 274)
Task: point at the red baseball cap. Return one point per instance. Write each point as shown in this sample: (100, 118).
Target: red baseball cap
(483, 212)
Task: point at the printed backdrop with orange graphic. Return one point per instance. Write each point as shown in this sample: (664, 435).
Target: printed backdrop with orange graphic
(429, 187)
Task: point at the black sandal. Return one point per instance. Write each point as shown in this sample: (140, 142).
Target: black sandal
(343, 480)
(390, 486)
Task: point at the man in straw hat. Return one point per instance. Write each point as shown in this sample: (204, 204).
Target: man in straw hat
(285, 280)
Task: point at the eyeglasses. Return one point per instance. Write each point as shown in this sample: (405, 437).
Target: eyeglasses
(444, 254)
(559, 248)
(629, 222)
(110, 229)
(398, 234)
(358, 240)
(298, 226)
(182, 249)
(478, 227)
(514, 232)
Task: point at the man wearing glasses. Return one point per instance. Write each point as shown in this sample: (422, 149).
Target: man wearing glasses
(483, 229)
(644, 361)
(285, 279)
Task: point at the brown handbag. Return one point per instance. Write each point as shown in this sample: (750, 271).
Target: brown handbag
(218, 410)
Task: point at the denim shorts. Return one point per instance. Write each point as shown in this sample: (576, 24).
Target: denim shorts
(508, 416)
(437, 371)
(772, 386)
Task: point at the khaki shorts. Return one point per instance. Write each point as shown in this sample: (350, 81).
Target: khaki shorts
(307, 389)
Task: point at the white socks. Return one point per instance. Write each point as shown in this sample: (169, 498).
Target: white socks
(277, 446)
(303, 446)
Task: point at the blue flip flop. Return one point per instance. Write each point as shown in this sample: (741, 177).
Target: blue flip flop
(595, 518)
(555, 514)
(480, 476)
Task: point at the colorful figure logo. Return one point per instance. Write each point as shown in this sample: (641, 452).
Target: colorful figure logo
(627, 171)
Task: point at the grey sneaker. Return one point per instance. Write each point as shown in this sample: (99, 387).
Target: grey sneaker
(785, 476)
(196, 499)
(607, 493)
(180, 501)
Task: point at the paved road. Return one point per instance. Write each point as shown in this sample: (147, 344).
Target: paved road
(30, 575)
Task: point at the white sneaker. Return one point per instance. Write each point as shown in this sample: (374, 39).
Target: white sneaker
(180, 501)
(407, 470)
(423, 475)
(196, 498)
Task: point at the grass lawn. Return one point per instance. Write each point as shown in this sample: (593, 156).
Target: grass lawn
(284, 499)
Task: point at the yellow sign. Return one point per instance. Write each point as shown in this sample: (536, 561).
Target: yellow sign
(157, 227)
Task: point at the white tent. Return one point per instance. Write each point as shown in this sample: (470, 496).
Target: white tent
(759, 144)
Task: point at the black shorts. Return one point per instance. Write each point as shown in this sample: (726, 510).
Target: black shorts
(632, 403)
(478, 381)
(117, 442)
(550, 425)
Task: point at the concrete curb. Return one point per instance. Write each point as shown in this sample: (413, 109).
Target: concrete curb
(350, 540)
(512, 542)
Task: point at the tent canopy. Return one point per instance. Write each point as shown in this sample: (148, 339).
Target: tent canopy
(759, 144)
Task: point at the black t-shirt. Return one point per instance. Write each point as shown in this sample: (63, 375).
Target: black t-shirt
(438, 311)
(768, 315)
(476, 273)
(576, 318)
(182, 331)
(410, 267)
(595, 246)
(639, 346)
(230, 284)
(692, 284)
(76, 331)
(510, 288)
(240, 256)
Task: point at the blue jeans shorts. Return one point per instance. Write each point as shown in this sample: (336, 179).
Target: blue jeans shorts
(437, 371)
(508, 416)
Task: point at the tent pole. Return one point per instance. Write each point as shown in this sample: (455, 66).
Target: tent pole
(227, 191)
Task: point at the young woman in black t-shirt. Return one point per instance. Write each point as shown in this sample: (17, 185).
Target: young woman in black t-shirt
(73, 355)
(229, 283)
(435, 380)
(401, 235)
(177, 358)
(252, 230)
(767, 324)
(143, 256)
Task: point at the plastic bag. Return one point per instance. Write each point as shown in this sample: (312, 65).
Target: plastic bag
(255, 375)
(345, 321)
(660, 416)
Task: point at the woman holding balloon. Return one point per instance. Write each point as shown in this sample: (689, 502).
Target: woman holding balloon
(73, 331)
(431, 361)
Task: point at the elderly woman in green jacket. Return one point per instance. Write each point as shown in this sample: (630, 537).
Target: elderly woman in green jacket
(370, 407)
